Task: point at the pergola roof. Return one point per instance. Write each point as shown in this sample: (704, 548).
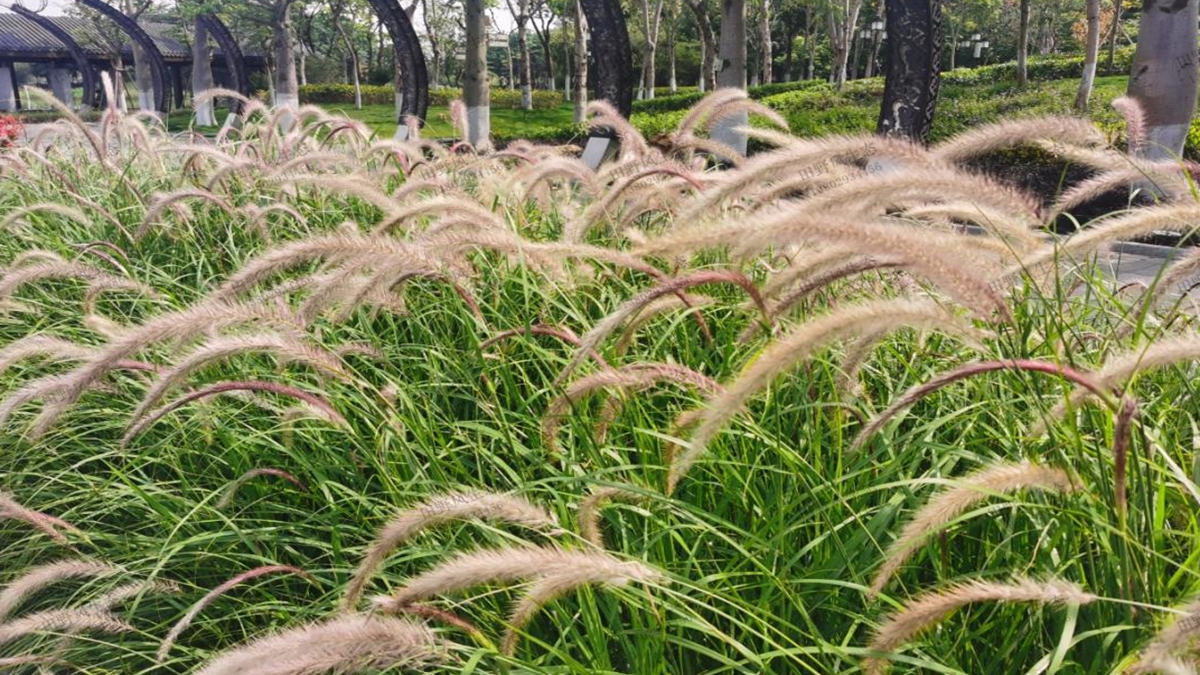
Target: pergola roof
(23, 40)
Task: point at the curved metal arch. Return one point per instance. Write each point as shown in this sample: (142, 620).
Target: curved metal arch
(235, 60)
(158, 65)
(612, 53)
(91, 80)
(415, 83)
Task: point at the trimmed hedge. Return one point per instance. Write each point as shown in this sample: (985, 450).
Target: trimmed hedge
(501, 98)
(343, 94)
(1045, 68)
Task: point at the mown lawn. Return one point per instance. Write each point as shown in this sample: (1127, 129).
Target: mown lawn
(855, 109)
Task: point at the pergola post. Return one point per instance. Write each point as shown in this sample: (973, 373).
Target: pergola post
(91, 79)
(8, 88)
(235, 63)
(158, 65)
(60, 84)
(177, 85)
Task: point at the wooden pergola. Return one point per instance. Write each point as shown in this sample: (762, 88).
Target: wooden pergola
(76, 40)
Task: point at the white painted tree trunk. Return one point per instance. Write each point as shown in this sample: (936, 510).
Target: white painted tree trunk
(283, 50)
(476, 88)
(143, 79)
(8, 95)
(1164, 77)
(60, 84)
(732, 73)
(202, 77)
(581, 63)
(1090, 57)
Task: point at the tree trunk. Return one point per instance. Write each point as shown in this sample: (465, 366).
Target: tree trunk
(526, 73)
(1023, 44)
(143, 79)
(435, 50)
(672, 39)
(283, 52)
(1163, 79)
(1112, 35)
(475, 83)
(202, 77)
(764, 36)
(914, 59)
(337, 25)
(1090, 57)
(709, 43)
(651, 20)
(733, 70)
(954, 48)
(581, 64)
(810, 45)
(852, 66)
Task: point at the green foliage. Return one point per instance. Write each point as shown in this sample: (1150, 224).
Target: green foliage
(341, 93)
(501, 98)
(378, 94)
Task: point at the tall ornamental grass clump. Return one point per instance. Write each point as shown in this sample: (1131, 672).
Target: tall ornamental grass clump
(299, 401)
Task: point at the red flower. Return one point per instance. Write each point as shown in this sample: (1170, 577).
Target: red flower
(10, 130)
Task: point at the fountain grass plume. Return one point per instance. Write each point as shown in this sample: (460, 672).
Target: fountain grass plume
(819, 281)
(1163, 653)
(333, 248)
(940, 510)
(439, 206)
(631, 377)
(601, 114)
(958, 266)
(284, 348)
(38, 344)
(199, 605)
(16, 215)
(785, 352)
(1120, 368)
(437, 510)
(351, 186)
(1135, 121)
(559, 332)
(39, 577)
(344, 645)
(547, 588)
(576, 230)
(687, 302)
(163, 201)
(1089, 382)
(49, 525)
(592, 339)
(316, 403)
(15, 277)
(525, 180)
(1139, 222)
(206, 316)
(229, 492)
(855, 355)
(488, 566)
(988, 138)
(94, 142)
(1166, 179)
(589, 510)
(62, 621)
(929, 609)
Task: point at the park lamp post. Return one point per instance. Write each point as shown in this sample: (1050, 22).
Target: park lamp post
(977, 41)
(876, 33)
